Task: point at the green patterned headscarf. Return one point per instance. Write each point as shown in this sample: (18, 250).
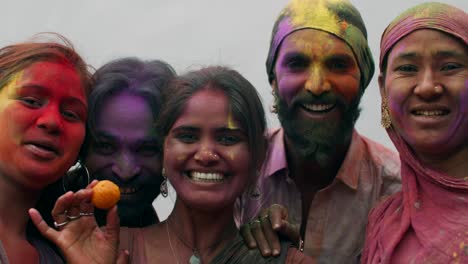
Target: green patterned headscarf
(337, 17)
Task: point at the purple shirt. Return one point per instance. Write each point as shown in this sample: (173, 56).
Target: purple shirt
(337, 218)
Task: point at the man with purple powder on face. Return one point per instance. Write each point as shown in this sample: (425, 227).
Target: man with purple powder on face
(122, 145)
(318, 166)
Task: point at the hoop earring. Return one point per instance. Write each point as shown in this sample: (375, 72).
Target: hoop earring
(386, 121)
(163, 188)
(74, 178)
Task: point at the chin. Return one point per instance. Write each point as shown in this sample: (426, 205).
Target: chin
(208, 204)
(39, 179)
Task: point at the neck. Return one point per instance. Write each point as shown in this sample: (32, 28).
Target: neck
(142, 217)
(454, 165)
(201, 232)
(15, 201)
(308, 173)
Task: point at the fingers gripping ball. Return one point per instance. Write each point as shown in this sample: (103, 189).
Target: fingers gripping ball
(105, 194)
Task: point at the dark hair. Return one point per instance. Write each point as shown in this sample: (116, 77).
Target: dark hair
(16, 57)
(244, 100)
(143, 78)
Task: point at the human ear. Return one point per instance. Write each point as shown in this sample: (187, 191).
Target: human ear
(381, 81)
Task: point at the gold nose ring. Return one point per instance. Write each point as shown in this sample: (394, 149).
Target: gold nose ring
(438, 89)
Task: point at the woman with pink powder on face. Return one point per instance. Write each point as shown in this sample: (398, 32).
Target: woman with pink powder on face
(212, 124)
(424, 88)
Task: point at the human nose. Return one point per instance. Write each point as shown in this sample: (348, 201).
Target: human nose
(206, 155)
(50, 120)
(427, 88)
(126, 167)
(316, 82)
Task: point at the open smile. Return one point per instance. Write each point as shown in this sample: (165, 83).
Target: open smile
(318, 108)
(210, 177)
(430, 113)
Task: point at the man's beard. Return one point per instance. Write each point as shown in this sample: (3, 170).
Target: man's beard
(312, 140)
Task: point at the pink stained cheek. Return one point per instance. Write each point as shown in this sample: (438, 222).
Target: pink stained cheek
(288, 87)
(397, 108)
(349, 88)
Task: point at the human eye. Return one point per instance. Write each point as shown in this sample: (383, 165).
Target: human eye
(296, 62)
(71, 115)
(31, 102)
(148, 150)
(187, 137)
(338, 65)
(406, 68)
(450, 66)
(229, 139)
(104, 148)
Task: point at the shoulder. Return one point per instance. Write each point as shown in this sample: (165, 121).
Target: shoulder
(382, 157)
(386, 164)
(274, 135)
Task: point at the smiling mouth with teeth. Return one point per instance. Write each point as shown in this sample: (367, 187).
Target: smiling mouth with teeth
(318, 107)
(206, 176)
(430, 113)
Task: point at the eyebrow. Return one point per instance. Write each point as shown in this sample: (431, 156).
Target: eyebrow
(407, 56)
(42, 90)
(189, 128)
(440, 53)
(149, 140)
(227, 129)
(449, 54)
(103, 135)
(295, 55)
(342, 56)
(218, 130)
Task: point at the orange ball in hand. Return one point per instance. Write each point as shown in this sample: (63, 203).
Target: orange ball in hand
(105, 194)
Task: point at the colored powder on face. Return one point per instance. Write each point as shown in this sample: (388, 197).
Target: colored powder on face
(319, 15)
(231, 155)
(10, 89)
(230, 121)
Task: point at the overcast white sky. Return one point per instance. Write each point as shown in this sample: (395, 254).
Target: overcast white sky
(188, 34)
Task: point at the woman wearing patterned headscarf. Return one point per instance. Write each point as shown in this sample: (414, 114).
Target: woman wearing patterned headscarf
(424, 88)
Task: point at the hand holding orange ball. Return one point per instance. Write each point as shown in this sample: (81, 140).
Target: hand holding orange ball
(105, 194)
